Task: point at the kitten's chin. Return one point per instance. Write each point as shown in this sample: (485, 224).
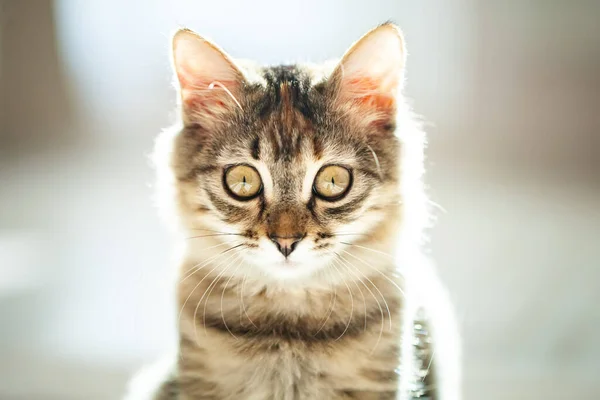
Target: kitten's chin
(286, 270)
(289, 270)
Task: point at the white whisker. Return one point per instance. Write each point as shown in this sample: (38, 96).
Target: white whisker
(196, 287)
(242, 301)
(329, 312)
(381, 273)
(239, 258)
(368, 248)
(207, 293)
(219, 84)
(352, 305)
(372, 294)
(375, 287)
(428, 365)
(195, 268)
(359, 289)
(376, 162)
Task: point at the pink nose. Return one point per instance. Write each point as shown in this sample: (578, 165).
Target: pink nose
(286, 244)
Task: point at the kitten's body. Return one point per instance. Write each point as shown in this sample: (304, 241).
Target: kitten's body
(295, 348)
(325, 322)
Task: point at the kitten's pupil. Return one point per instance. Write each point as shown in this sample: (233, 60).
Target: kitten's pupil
(332, 181)
(244, 184)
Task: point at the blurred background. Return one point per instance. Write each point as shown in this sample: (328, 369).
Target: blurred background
(512, 91)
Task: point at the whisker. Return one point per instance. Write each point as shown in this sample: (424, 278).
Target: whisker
(213, 235)
(329, 312)
(368, 248)
(428, 366)
(209, 230)
(242, 301)
(239, 258)
(199, 267)
(359, 289)
(376, 288)
(219, 84)
(381, 273)
(207, 293)
(195, 268)
(376, 162)
(210, 248)
(199, 283)
(374, 297)
(215, 246)
(194, 289)
(439, 207)
(352, 304)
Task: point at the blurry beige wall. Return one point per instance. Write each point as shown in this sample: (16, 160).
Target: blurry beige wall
(34, 92)
(511, 93)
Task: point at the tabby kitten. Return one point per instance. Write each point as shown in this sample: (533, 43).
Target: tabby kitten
(298, 189)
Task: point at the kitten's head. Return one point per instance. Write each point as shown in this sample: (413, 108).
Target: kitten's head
(283, 168)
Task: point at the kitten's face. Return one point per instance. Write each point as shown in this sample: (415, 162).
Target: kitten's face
(284, 171)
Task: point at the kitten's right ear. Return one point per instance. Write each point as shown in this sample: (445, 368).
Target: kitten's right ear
(369, 77)
(209, 81)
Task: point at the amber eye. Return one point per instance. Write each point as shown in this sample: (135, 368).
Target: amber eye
(332, 182)
(242, 182)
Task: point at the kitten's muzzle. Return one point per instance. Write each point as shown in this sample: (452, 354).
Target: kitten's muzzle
(286, 244)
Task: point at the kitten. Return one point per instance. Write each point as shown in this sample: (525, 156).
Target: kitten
(298, 189)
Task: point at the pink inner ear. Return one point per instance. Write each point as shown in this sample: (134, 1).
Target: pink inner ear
(208, 79)
(371, 74)
(198, 95)
(371, 95)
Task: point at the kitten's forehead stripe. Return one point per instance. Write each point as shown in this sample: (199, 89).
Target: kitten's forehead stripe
(256, 148)
(296, 93)
(287, 107)
(317, 146)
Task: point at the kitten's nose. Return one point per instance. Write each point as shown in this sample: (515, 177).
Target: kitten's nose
(286, 244)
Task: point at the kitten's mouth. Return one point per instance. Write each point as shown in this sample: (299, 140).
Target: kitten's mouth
(287, 263)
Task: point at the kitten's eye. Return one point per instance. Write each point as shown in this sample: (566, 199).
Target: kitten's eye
(332, 182)
(242, 182)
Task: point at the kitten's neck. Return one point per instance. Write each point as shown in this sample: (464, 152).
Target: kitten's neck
(249, 307)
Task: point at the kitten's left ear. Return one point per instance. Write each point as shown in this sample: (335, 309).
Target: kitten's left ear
(371, 73)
